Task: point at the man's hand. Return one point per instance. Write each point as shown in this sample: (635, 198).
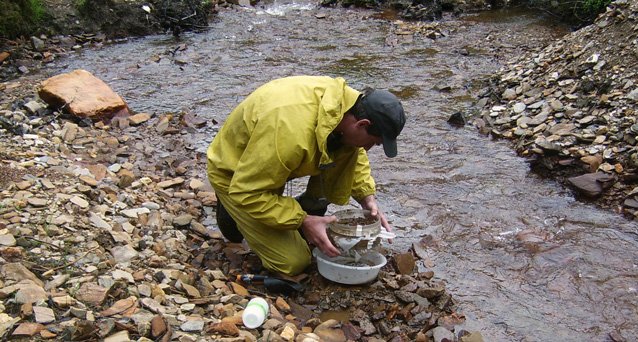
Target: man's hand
(370, 203)
(314, 230)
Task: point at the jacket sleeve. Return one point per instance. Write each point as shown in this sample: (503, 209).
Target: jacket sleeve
(261, 173)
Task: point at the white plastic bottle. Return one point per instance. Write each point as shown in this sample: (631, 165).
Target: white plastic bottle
(255, 313)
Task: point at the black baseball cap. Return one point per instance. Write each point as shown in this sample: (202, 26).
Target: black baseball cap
(386, 113)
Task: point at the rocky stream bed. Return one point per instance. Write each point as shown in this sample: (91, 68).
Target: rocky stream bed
(101, 241)
(570, 109)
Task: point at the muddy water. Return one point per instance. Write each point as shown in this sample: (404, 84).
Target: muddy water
(524, 260)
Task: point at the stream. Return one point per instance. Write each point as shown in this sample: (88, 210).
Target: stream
(522, 258)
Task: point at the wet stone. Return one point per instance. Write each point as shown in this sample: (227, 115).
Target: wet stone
(405, 263)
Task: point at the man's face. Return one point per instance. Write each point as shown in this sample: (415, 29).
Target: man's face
(357, 136)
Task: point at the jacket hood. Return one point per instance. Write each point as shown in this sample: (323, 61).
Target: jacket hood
(336, 101)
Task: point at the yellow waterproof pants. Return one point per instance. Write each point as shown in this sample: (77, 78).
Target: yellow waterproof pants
(282, 251)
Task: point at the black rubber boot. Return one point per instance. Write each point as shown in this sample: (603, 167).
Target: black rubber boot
(227, 225)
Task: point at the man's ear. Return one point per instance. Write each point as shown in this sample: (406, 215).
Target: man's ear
(364, 123)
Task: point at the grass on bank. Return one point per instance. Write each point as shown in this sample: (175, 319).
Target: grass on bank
(20, 17)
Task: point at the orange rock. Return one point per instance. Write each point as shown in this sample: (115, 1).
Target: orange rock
(158, 326)
(91, 293)
(126, 178)
(28, 329)
(329, 331)
(224, 328)
(125, 307)
(240, 290)
(235, 319)
(47, 334)
(404, 263)
(82, 94)
(139, 118)
(281, 304)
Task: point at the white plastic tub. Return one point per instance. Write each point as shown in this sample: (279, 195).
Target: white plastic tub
(335, 270)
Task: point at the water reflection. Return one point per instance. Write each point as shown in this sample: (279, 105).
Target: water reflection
(524, 260)
(282, 8)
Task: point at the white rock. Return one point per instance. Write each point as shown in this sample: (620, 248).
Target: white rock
(134, 213)
(7, 240)
(98, 222)
(519, 107)
(115, 168)
(79, 201)
(119, 274)
(123, 254)
(120, 336)
(43, 315)
(192, 325)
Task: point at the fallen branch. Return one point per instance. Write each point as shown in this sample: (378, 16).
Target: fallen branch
(51, 271)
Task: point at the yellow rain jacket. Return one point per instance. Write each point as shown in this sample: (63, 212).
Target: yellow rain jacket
(280, 132)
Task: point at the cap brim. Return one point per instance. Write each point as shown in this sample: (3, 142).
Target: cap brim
(390, 147)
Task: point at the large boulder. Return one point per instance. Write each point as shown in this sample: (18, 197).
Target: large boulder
(84, 95)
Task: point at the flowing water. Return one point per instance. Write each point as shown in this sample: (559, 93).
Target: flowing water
(522, 258)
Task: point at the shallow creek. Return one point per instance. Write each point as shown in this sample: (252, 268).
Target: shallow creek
(522, 258)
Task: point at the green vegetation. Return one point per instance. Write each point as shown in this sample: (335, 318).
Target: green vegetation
(20, 17)
(595, 6)
(585, 10)
(575, 12)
